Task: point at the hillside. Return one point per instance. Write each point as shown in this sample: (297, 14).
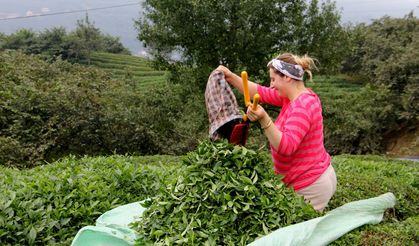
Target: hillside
(333, 87)
(129, 67)
(126, 67)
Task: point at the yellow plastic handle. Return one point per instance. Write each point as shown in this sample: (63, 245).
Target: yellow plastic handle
(256, 99)
(244, 118)
(245, 88)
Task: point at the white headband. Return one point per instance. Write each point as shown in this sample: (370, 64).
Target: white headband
(291, 70)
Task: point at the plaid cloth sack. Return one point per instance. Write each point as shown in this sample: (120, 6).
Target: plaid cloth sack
(223, 110)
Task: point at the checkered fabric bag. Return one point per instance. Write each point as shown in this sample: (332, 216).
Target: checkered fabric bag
(223, 110)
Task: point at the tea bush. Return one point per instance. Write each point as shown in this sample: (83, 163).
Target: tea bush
(362, 177)
(50, 110)
(49, 204)
(355, 123)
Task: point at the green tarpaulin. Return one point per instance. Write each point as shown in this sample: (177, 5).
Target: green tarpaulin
(112, 227)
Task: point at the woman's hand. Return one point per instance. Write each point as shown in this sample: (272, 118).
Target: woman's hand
(225, 70)
(258, 114)
(236, 81)
(273, 134)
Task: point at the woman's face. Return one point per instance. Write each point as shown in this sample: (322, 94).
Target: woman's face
(281, 84)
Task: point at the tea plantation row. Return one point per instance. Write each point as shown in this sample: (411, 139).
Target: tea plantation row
(49, 204)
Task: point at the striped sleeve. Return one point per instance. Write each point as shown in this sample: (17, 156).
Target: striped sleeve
(270, 96)
(295, 129)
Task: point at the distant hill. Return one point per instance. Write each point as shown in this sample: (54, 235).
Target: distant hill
(117, 22)
(129, 67)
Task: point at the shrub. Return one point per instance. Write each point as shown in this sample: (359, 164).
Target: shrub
(49, 110)
(357, 122)
(49, 204)
(386, 52)
(362, 177)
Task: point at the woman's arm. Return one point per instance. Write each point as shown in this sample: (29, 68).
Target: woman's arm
(295, 128)
(273, 134)
(268, 95)
(236, 81)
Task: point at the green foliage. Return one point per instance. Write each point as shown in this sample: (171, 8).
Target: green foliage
(391, 233)
(113, 45)
(226, 195)
(75, 46)
(239, 34)
(355, 117)
(362, 177)
(376, 175)
(47, 205)
(49, 110)
(12, 152)
(52, 43)
(23, 39)
(387, 53)
(158, 120)
(321, 35)
(90, 39)
(355, 122)
(134, 70)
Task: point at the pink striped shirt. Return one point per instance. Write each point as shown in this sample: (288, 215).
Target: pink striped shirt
(300, 157)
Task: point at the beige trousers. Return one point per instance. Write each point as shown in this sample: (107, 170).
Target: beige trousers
(319, 193)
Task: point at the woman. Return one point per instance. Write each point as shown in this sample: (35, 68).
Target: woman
(296, 137)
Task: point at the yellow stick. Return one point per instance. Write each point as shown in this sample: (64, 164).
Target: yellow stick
(245, 88)
(256, 98)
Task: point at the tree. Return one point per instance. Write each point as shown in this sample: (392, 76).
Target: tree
(90, 36)
(322, 36)
(113, 45)
(2, 39)
(240, 34)
(75, 46)
(51, 41)
(386, 52)
(24, 39)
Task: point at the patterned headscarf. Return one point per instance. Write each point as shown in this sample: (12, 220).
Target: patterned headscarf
(291, 70)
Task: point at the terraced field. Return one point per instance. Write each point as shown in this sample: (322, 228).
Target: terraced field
(138, 69)
(333, 87)
(130, 68)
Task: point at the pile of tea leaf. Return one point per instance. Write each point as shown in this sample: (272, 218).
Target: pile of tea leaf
(227, 195)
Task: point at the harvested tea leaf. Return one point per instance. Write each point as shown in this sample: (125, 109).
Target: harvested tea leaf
(227, 195)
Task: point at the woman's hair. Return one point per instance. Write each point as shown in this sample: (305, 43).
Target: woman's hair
(305, 61)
